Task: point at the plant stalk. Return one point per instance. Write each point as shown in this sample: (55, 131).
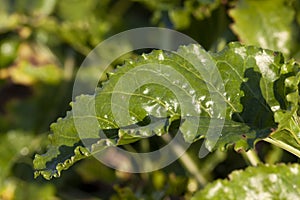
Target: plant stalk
(284, 146)
(187, 161)
(252, 157)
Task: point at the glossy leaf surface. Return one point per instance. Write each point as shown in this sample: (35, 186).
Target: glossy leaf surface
(263, 182)
(232, 97)
(271, 24)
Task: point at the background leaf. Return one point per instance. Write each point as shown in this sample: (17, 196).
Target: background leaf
(265, 181)
(271, 24)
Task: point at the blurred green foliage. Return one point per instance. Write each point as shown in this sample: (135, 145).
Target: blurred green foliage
(42, 44)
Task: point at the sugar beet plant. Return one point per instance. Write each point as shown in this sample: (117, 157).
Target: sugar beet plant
(261, 97)
(239, 102)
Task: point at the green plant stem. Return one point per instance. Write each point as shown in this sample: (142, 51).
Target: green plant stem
(283, 145)
(187, 161)
(252, 157)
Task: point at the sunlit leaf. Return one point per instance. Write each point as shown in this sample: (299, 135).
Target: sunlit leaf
(263, 182)
(12, 145)
(268, 24)
(161, 92)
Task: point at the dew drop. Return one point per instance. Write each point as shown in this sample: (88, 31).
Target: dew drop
(273, 178)
(146, 91)
(192, 92)
(198, 108)
(176, 82)
(294, 170)
(24, 151)
(161, 56)
(185, 85)
(275, 108)
(201, 98)
(209, 103)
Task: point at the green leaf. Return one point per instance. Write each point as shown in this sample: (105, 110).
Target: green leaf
(8, 51)
(263, 182)
(15, 146)
(66, 147)
(12, 145)
(19, 189)
(27, 74)
(287, 134)
(161, 92)
(268, 24)
(180, 13)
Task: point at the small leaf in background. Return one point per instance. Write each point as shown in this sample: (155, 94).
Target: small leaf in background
(180, 14)
(8, 52)
(14, 146)
(32, 63)
(287, 133)
(268, 24)
(26, 74)
(19, 144)
(180, 18)
(263, 182)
